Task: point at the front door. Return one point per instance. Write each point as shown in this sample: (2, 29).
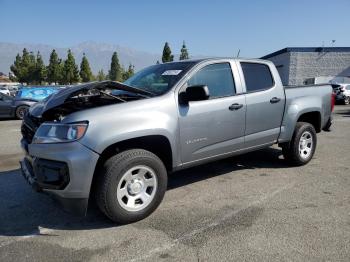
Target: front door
(215, 126)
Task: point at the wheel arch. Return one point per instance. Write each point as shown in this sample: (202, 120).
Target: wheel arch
(157, 144)
(313, 118)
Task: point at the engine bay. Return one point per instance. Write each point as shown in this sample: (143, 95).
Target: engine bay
(90, 96)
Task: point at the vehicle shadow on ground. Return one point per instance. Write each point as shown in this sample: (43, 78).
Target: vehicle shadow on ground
(265, 158)
(24, 212)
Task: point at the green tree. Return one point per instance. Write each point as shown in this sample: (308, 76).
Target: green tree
(24, 67)
(101, 75)
(85, 70)
(184, 53)
(54, 70)
(129, 72)
(12, 77)
(116, 71)
(31, 68)
(40, 69)
(167, 56)
(70, 70)
(61, 79)
(16, 69)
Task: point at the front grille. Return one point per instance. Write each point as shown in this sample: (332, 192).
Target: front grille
(29, 125)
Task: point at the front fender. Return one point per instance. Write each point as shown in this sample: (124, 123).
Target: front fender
(116, 123)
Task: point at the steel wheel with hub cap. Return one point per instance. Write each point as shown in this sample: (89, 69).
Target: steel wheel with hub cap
(302, 147)
(136, 188)
(131, 185)
(347, 100)
(305, 145)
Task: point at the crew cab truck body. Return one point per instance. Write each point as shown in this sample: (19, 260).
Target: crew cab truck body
(117, 142)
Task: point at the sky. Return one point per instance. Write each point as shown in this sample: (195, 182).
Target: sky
(210, 28)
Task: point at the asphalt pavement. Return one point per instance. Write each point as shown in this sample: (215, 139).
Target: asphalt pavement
(252, 207)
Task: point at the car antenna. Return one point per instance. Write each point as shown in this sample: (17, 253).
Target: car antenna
(239, 51)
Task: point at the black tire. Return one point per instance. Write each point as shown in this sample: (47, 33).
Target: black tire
(20, 111)
(110, 175)
(347, 100)
(291, 150)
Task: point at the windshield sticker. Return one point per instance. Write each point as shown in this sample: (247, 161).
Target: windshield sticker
(171, 72)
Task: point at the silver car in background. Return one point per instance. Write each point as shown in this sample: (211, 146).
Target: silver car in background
(343, 94)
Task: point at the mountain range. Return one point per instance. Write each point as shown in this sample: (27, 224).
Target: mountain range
(98, 54)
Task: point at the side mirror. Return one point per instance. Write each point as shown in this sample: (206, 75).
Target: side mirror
(195, 93)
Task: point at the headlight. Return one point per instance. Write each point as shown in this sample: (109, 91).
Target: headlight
(59, 133)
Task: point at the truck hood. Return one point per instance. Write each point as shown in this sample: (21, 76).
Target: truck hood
(76, 98)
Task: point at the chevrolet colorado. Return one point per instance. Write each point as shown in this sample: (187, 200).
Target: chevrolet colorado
(116, 142)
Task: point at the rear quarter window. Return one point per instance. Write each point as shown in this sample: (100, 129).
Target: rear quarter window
(257, 76)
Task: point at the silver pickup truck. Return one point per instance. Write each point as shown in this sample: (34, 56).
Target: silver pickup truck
(117, 142)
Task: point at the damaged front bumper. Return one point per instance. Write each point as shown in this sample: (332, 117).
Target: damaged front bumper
(64, 170)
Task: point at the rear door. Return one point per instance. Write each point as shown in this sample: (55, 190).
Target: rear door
(213, 127)
(265, 104)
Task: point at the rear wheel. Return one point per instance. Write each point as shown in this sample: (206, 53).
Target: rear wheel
(21, 111)
(347, 100)
(131, 185)
(302, 147)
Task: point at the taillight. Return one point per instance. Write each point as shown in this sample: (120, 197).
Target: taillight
(332, 101)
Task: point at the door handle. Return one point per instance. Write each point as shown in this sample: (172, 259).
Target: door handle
(275, 100)
(235, 106)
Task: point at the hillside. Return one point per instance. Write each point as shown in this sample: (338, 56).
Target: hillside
(99, 54)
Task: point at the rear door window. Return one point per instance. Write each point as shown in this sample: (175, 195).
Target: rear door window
(257, 76)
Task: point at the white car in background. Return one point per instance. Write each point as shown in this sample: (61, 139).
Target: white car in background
(343, 94)
(4, 90)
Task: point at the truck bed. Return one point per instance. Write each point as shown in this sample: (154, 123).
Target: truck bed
(305, 98)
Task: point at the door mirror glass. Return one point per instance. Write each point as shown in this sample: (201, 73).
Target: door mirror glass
(195, 93)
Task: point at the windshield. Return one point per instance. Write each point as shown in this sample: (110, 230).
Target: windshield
(159, 79)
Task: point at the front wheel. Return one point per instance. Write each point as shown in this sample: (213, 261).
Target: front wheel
(131, 185)
(21, 111)
(347, 100)
(302, 147)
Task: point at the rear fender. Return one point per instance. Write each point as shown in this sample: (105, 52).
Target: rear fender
(294, 110)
